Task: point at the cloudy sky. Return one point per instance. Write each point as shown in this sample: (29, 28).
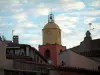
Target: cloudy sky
(28, 17)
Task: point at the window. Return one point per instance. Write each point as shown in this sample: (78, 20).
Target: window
(7, 51)
(22, 52)
(17, 52)
(11, 51)
(47, 54)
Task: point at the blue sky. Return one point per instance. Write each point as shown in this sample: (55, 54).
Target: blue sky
(28, 17)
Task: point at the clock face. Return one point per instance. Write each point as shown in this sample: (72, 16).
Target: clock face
(49, 61)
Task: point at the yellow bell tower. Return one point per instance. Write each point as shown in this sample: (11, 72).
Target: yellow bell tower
(51, 47)
(51, 32)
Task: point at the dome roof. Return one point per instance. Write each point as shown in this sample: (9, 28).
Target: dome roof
(51, 25)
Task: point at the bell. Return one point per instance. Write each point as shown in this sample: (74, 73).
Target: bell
(50, 17)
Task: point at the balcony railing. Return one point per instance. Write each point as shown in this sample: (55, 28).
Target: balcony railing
(30, 66)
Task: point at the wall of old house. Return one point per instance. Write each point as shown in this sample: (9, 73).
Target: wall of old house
(57, 72)
(66, 72)
(73, 59)
(1, 72)
(4, 63)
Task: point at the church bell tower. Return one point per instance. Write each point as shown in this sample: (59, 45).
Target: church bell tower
(51, 32)
(51, 35)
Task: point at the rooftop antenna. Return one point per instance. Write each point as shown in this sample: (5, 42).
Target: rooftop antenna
(90, 28)
(13, 32)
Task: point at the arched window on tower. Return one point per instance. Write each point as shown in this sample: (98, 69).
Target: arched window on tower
(47, 54)
(60, 50)
(51, 18)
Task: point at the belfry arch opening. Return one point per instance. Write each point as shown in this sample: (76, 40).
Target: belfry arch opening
(47, 54)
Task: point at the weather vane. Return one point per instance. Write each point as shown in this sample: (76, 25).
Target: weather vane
(90, 24)
(13, 32)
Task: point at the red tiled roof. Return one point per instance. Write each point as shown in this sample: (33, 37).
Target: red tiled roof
(25, 45)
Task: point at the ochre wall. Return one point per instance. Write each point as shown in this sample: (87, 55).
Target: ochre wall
(51, 36)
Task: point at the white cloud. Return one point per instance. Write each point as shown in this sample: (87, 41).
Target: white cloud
(63, 17)
(23, 27)
(66, 31)
(3, 23)
(19, 17)
(42, 11)
(88, 20)
(73, 39)
(70, 38)
(18, 31)
(89, 13)
(17, 10)
(70, 44)
(39, 10)
(27, 36)
(27, 1)
(6, 4)
(26, 24)
(72, 5)
(95, 3)
(96, 26)
(35, 41)
(66, 22)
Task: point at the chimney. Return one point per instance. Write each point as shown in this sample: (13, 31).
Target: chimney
(15, 39)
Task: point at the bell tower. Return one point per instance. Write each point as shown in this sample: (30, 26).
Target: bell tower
(51, 36)
(51, 32)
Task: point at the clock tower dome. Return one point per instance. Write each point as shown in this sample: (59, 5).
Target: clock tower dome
(51, 35)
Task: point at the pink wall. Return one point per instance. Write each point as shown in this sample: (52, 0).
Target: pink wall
(54, 49)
